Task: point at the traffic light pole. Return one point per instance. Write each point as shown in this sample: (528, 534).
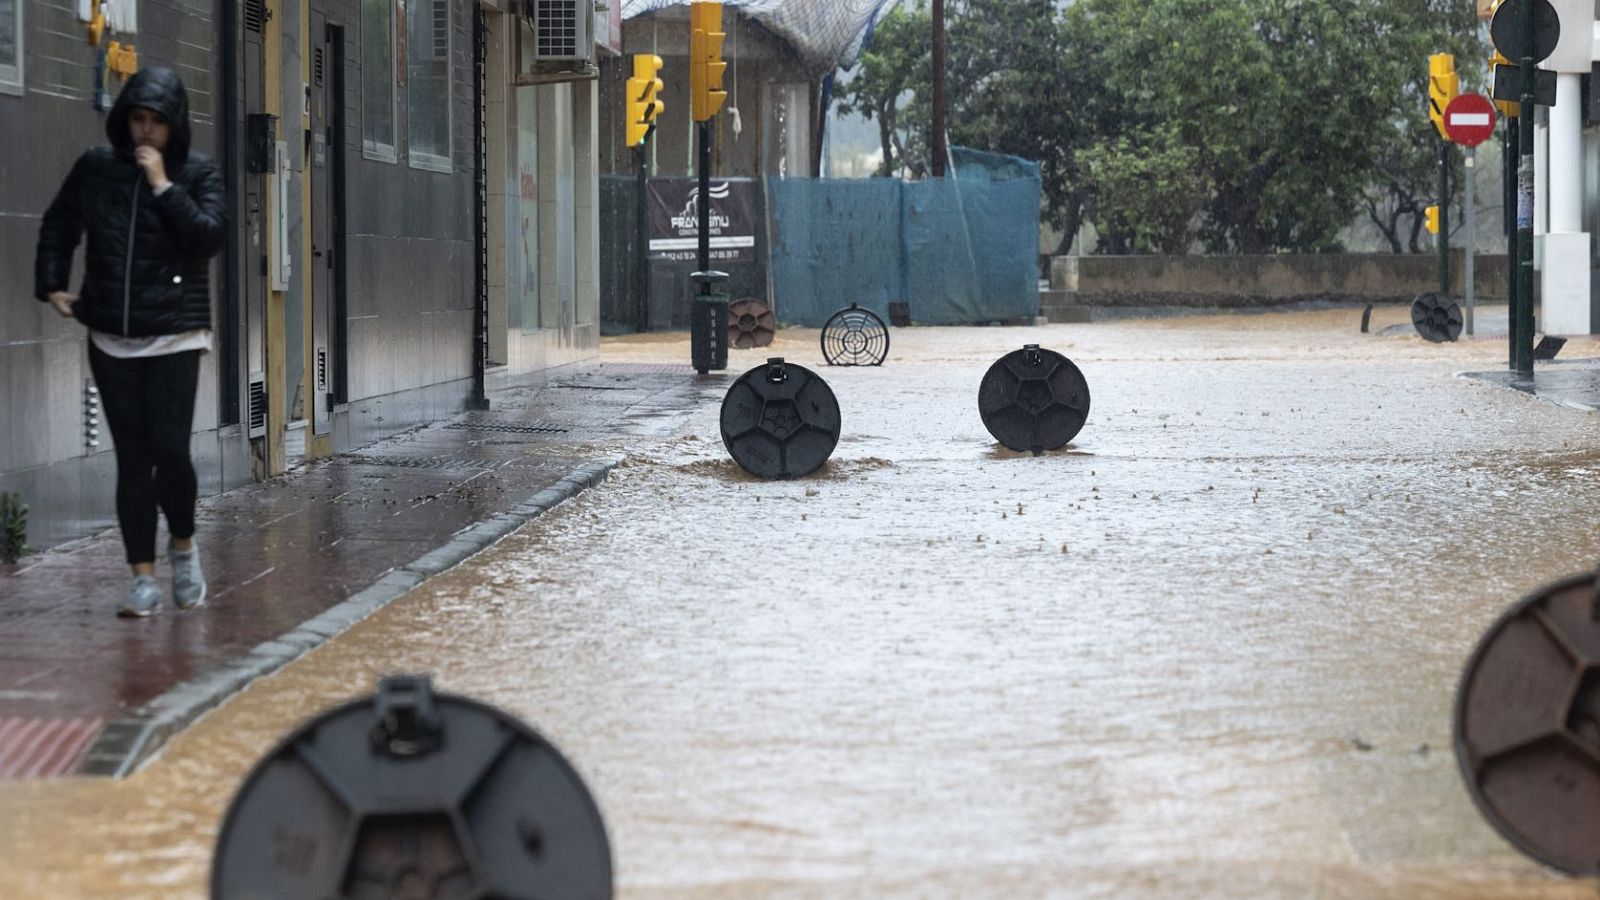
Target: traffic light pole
(642, 240)
(704, 206)
(1470, 275)
(1444, 217)
(1522, 309)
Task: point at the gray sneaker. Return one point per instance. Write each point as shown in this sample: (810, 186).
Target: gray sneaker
(143, 598)
(188, 583)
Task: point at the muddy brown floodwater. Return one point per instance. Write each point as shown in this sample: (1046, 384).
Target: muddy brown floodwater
(1209, 650)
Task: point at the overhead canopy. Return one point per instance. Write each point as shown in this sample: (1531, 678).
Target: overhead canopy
(828, 34)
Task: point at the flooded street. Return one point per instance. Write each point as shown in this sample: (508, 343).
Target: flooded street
(1208, 650)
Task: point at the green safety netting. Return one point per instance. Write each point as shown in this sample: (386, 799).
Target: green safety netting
(958, 250)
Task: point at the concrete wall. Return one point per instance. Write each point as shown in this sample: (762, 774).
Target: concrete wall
(1245, 281)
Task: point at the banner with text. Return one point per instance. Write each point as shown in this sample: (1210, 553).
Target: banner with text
(674, 219)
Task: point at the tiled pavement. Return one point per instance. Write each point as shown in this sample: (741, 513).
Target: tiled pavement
(75, 680)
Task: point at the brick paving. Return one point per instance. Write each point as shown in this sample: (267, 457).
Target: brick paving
(280, 552)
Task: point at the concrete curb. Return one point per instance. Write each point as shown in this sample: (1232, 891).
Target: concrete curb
(128, 741)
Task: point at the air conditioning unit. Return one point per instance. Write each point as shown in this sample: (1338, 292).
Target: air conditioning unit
(563, 30)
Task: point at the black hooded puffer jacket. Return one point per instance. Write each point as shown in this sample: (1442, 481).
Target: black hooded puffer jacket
(146, 267)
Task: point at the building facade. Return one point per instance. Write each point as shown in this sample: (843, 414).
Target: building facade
(413, 212)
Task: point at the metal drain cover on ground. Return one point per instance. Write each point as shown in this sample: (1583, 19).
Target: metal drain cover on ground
(750, 324)
(1033, 400)
(1436, 317)
(1527, 725)
(417, 795)
(780, 420)
(855, 337)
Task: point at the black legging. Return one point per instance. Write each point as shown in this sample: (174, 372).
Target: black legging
(149, 405)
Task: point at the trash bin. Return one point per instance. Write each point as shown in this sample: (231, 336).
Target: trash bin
(708, 324)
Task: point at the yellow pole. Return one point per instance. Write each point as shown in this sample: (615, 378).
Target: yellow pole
(277, 403)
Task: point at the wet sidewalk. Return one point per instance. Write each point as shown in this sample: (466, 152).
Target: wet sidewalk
(295, 560)
(1571, 383)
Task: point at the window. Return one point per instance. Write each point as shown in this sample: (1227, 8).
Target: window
(10, 46)
(428, 83)
(524, 256)
(377, 79)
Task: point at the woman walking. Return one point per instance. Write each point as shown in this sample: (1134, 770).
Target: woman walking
(154, 213)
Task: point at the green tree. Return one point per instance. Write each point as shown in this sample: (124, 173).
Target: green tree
(1017, 86)
(896, 63)
(1010, 89)
(1150, 191)
(1292, 105)
(1405, 167)
(1297, 116)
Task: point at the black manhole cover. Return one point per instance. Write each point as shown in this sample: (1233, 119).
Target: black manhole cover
(1436, 317)
(1033, 400)
(412, 794)
(1527, 725)
(780, 420)
(855, 337)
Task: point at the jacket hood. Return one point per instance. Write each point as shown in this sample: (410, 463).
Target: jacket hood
(160, 89)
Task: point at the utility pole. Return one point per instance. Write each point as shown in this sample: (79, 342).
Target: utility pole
(1522, 308)
(708, 314)
(938, 149)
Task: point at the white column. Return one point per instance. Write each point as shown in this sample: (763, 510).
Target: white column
(1565, 186)
(1566, 250)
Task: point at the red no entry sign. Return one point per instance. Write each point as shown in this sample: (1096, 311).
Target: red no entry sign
(1469, 119)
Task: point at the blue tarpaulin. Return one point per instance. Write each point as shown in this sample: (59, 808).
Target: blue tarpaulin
(958, 250)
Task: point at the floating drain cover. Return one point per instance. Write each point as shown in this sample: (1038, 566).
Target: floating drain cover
(1527, 725)
(780, 420)
(416, 795)
(1436, 317)
(855, 337)
(1033, 399)
(750, 324)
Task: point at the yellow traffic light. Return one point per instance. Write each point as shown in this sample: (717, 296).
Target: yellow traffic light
(1443, 85)
(1433, 219)
(706, 68)
(643, 107)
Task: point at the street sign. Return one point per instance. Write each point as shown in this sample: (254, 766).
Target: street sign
(1506, 29)
(1469, 119)
(1508, 85)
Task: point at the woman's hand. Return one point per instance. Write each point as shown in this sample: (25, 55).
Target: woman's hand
(63, 301)
(155, 169)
